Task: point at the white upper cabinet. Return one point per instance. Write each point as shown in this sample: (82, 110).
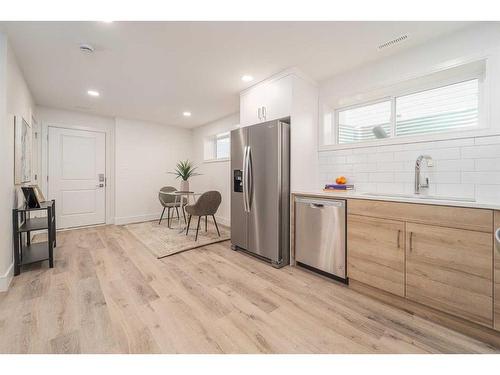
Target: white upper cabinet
(266, 101)
(288, 94)
(251, 104)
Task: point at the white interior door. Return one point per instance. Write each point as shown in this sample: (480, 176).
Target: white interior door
(77, 165)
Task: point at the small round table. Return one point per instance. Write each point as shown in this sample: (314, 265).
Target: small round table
(179, 199)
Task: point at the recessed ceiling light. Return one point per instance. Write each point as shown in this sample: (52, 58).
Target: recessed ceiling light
(186, 114)
(247, 78)
(107, 21)
(93, 93)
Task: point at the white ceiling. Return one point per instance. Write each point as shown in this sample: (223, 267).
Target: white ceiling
(156, 70)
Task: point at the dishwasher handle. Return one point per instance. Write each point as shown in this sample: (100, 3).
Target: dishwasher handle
(316, 205)
(320, 203)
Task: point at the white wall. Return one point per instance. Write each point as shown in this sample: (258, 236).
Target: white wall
(216, 175)
(466, 167)
(48, 117)
(145, 153)
(15, 99)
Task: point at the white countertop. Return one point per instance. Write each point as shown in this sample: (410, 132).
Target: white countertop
(395, 198)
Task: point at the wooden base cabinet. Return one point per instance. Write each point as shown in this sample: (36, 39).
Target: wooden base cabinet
(451, 270)
(376, 254)
(496, 276)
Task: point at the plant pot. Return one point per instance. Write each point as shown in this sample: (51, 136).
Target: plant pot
(184, 185)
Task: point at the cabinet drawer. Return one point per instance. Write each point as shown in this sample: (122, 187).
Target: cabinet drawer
(450, 270)
(446, 216)
(376, 253)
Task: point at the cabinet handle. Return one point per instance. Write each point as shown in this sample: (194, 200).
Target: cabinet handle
(399, 241)
(411, 241)
(259, 113)
(264, 112)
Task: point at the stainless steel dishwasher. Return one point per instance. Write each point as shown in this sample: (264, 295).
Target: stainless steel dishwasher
(320, 235)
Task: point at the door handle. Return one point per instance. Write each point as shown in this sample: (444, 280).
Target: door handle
(411, 241)
(259, 113)
(399, 238)
(264, 112)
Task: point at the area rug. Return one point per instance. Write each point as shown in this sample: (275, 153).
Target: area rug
(163, 241)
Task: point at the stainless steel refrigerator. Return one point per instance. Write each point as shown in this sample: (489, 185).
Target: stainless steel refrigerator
(260, 194)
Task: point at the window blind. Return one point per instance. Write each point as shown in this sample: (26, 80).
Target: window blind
(442, 109)
(364, 123)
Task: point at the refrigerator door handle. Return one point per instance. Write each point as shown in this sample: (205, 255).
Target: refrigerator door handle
(245, 179)
(249, 178)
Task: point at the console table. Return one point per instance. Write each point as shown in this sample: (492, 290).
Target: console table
(26, 252)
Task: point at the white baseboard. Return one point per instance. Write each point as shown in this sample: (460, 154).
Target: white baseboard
(6, 278)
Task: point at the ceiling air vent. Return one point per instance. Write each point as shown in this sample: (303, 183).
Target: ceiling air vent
(393, 42)
(86, 48)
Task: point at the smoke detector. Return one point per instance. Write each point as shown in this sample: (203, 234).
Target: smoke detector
(86, 48)
(393, 42)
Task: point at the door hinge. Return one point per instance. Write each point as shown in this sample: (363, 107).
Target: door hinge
(36, 135)
(47, 178)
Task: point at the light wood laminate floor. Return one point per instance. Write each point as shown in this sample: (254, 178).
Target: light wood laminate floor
(108, 294)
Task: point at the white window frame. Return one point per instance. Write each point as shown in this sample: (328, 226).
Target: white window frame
(429, 81)
(211, 141)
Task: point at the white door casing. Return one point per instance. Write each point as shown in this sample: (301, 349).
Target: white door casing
(76, 163)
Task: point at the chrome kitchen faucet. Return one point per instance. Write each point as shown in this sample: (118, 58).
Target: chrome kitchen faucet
(418, 164)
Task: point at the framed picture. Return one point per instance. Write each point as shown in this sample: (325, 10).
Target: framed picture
(30, 197)
(38, 193)
(22, 150)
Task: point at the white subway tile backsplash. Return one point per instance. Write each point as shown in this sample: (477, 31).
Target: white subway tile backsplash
(337, 159)
(359, 158)
(454, 165)
(488, 193)
(365, 167)
(481, 151)
(468, 167)
(487, 140)
(389, 188)
(406, 177)
(436, 177)
(444, 153)
(487, 164)
(381, 177)
(364, 150)
(343, 152)
(384, 156)
(390, 166)
(366, 187)
(456, 190)
(482, 178)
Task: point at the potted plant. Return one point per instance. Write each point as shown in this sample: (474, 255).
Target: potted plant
(184, 170)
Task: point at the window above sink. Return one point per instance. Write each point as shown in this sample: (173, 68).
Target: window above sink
(443, 104)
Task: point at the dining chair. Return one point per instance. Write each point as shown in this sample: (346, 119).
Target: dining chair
(207, 205)
(170, 202)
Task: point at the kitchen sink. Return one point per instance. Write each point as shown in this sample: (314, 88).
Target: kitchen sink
(420, 196)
